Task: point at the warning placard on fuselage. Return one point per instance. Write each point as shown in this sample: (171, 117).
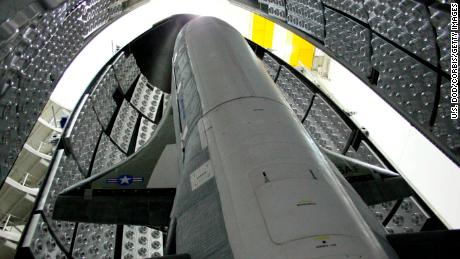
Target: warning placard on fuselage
(201, 175)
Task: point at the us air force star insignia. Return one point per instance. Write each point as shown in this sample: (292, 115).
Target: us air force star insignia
(125, 180)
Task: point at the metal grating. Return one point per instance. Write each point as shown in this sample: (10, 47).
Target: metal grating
(404, 82)
(102, 97)
(99, 12)
(126, 71)
(307, 15)
(94, 241)
(271, 65)
(84, 136)
(326, 127)
(407, 23)
(107, 155)
(277, 8)
(36, 46)
(410, 50)
(141, 242)
(349, 40)
(123, 128)
(382, 210)
(297, 94)
(66, 175)
(354, 8)
(39, 241)
(410, 217)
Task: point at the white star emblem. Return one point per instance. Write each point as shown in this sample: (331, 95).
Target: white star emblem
(124, 180)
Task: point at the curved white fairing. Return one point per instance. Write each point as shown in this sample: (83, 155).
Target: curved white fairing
(253, 183)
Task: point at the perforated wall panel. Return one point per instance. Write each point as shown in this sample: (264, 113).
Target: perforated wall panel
(146, 130)
(39, 241)
(66, 175)
(123, 128)
(84, 136)
(382, 210)
(326, 127)
(270, 65)
(102, 97)
(407, 23)
(349, 40)
(94, 241)
(99, 12)
(410, 217)
(440, 19)
(36, 46)
(354, 8)
(107, 155)
(140, 242)
(447, 130)
(146, 98)
(306, 15)
(404, 82)
(297, 94)
(409, 49)
(126, 71)
(277, 8)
